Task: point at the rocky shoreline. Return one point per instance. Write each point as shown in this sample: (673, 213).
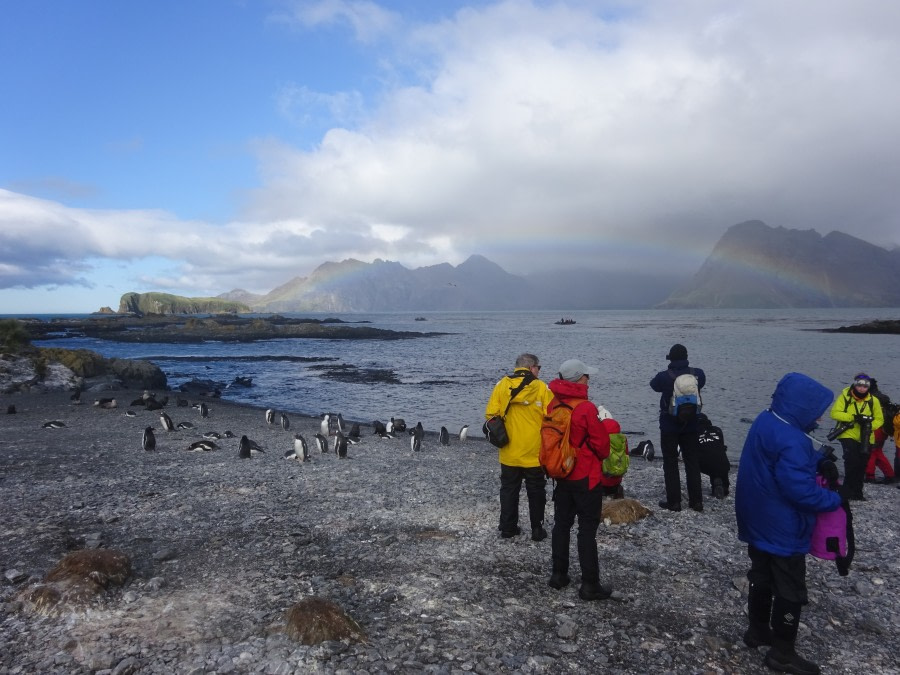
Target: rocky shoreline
(405, 543)
(186, 329)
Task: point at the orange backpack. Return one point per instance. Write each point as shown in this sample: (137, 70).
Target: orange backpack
(557, 455)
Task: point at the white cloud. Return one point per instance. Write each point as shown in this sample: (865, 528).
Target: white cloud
(668, 122)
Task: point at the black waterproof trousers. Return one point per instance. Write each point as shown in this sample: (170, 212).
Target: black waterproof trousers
(854, 468)
(690, 455)
(511, 478)
(571, 499)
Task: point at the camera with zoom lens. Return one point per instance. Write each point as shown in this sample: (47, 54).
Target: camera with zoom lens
(839, 428)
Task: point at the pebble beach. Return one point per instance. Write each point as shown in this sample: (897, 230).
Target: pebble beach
(404, 542)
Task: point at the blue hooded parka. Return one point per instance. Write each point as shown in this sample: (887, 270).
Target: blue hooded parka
(777, 497)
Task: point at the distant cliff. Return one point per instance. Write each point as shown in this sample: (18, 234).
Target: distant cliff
(164, 303)
(757, 266)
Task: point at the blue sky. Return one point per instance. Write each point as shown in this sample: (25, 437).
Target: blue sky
(197, 147)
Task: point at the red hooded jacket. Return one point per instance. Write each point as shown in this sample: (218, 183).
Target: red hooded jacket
(587, 433)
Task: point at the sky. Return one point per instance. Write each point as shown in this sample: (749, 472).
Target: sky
(203, 146)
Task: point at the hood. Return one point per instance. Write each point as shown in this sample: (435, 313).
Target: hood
(566, 389)
(801, 400)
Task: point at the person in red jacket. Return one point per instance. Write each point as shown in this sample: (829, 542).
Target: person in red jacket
(580, 494)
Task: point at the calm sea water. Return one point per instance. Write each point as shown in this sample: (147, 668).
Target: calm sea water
(446, 380)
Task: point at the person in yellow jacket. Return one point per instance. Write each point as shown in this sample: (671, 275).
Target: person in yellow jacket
(857, 408)
(519, 458)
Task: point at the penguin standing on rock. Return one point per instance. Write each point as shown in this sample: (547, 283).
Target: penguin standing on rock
(445, 436)
(300, 451)
(285, 422)
(416, 438)
(166, 422)
(270, 416)
(204, 409)
(247, 448)
(324, 425)
(321, 442)
(464, 433)
(340, 445)
(148, 440)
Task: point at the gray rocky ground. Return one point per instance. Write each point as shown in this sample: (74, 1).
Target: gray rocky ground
(406, 543)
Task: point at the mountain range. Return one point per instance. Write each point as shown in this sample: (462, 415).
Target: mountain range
(476, 284)
(752, 265)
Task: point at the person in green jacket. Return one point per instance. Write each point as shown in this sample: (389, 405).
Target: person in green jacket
(519, 458)
(861, 413)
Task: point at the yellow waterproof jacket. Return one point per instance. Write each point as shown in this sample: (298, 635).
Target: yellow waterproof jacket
(846, 407)
(523, 421)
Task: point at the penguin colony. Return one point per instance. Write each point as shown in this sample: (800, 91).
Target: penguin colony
(334, 435)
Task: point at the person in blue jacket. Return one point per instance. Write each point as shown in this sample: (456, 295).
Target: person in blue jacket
(776, 502)
(675, 434)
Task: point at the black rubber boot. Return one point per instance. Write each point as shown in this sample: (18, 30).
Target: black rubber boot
(759, 610)
(718, 488)
(783, 658)
(558, 580)
(589, 591)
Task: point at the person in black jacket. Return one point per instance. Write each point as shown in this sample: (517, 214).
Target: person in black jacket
(675, 433)
(713, 456)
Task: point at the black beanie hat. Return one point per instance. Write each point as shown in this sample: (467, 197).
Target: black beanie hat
(677, 353)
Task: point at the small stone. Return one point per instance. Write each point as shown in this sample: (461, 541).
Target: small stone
(14, 576)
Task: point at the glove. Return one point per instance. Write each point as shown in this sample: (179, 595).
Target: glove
(829, 453)
(829, 471)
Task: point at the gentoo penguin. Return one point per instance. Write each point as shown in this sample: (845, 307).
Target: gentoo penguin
(340, 423)
(354, 432)
(399, 425)
(418, 435)
(212, 435)
(445, 436)
(321, 442)
(202, 446)
(464, 433)
(270, 416)
(166, 422)
(130, 413)
(248, 447)
(228, 434)
(106, 403)
(148, 440)
(204, 409)
(300, 451)
(185, 425)
(54, 424)
(415, 443)
(340, 445)
(389, 427)
(381, 429)
(285, 422)
(324, 425)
